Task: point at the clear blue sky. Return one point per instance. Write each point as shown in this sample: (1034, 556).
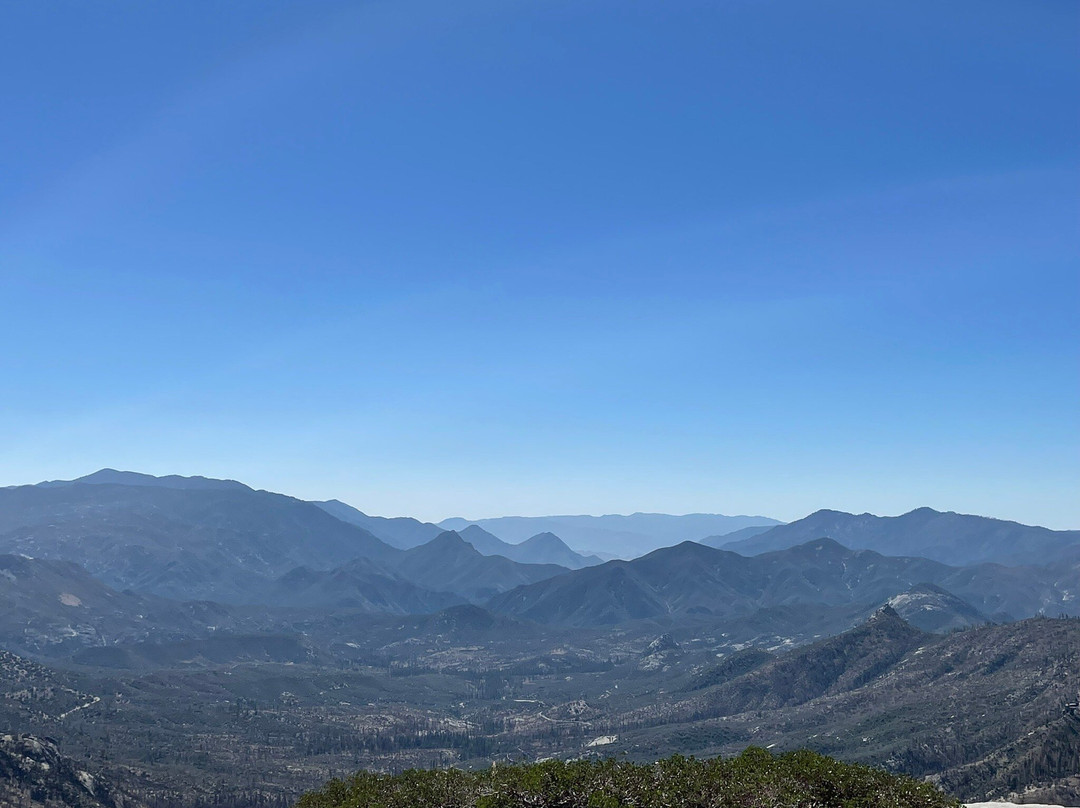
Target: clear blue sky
(483, 258)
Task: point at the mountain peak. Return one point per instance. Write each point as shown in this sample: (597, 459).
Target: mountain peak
(484, 542)
(944, 536)
(547, 538)
(887, 615)
(684, 549)
(338, 503)
(449, 541)
(472, 530)
(823, 545)
(933, 608)
(108, 476)
(621, 535)
(924, 513)
(819, 548)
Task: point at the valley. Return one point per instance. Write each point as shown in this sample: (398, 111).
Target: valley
(314, 664)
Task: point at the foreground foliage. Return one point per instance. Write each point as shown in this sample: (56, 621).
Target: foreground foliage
(754, 779)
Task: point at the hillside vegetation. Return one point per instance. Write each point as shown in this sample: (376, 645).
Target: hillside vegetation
(754, 779)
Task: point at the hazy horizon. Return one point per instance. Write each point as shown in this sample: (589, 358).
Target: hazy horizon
(555, 514)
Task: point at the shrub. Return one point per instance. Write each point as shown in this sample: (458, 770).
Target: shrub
(754, 779)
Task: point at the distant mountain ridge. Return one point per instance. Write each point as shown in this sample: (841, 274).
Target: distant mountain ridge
(402, 532)
(552, 550)
(448, 563)
(692, 580)
(320, 617)
(485, 542)
(206, 542)
(406, 533)
(198, 539)
(114, 477)
(948, 537)
(543, 548)
(624, 536)
(720, 542)
(360, 584)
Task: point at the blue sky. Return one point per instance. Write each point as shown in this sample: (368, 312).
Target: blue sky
(486, 258)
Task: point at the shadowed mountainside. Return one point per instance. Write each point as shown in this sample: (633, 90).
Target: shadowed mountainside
(185, 543)
(200, 539)
(718, 542)
(693, 580)
(360, 584)
(448, 563)
(55, 607)
(402, 532)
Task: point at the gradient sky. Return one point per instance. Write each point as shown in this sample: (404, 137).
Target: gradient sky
(507, 257)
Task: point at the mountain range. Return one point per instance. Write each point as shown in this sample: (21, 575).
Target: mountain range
(402, 532)
(692, 580)
(204, 542)
(951, 538)
(406, 533)
(615, 535)
(199, 539)
(448, 563)
(175, 608)
(543, 548)
(181, 540)
(979, 711)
